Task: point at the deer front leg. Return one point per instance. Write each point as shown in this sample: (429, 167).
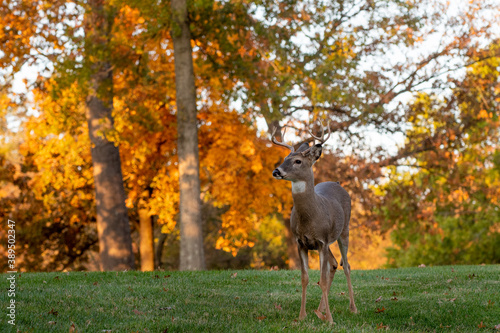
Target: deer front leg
(304, 260)
(333, 268)
(324, 283)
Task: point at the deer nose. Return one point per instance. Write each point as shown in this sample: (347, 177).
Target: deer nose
(276, 173)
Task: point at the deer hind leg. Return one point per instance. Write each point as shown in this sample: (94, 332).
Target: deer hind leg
(304, 260)
(343, 246)
(333, 269)
(324, 282)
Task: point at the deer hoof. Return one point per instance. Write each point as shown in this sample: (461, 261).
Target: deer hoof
(324, 317)
(353, 309)
(320, 315)
(302, 316)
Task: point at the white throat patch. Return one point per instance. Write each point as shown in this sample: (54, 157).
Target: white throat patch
(298, 187)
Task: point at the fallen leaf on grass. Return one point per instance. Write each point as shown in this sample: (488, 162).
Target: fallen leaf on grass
(441, 326)
(380, 310)
(72, 328)
(342, 293)
(453, 299)
(381, 326)
(165, 289)
(394, 298)
(481, 325)
(277, 307)
(51, 323)
(490, 302)
(137, 312)
(497, 327)
(235, 274)
(378, 299)
(449, 280)
(260, 318)
(95, 283)
(53, 312)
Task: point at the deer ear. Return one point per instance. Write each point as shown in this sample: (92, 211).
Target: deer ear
(316, 152)
(313, 152)
(303, 147)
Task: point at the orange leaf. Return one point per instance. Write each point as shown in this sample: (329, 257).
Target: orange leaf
(381, 326)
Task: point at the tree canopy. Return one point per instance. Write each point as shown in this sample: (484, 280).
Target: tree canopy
(411, 89)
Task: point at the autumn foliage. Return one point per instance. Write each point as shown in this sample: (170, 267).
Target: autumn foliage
(415, 126)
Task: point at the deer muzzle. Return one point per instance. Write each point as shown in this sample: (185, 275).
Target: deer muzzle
(277, 174)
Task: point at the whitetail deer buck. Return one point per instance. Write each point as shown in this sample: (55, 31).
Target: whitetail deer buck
(320, 216)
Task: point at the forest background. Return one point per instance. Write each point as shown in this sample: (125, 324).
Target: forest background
(411, 90)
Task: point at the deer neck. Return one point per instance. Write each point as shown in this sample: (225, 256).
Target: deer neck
(303, 194)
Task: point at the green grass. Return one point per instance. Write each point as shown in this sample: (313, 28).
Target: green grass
(432, 299)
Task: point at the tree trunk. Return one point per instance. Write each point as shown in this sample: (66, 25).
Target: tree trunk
(146, 246)
(115, 241)
(191, 238)
(159, 249)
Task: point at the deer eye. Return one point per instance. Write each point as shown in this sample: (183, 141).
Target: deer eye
(298, 161)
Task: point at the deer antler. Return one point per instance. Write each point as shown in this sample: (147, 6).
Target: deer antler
(320, 139)
(273, 139)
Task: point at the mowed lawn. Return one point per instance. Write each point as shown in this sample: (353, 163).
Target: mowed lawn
(431, 299)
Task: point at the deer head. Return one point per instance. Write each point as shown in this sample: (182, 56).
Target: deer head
(297, 165)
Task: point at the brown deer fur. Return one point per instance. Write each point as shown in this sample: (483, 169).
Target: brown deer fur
(320, 216)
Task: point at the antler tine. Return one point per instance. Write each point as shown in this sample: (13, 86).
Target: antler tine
(329, 131)
(273, 139)
(320, 139)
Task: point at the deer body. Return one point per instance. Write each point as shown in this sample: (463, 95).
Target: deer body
(320, 216)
